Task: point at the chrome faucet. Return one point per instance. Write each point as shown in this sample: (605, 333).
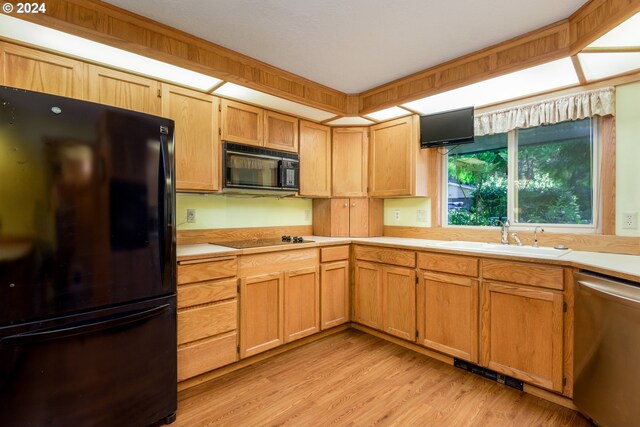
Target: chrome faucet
(517, 239)
(505, 232)
(535, 235)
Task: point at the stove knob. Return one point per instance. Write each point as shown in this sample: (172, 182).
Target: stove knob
(297, 239)
(284, 238)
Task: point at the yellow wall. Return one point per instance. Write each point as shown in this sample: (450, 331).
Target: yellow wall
(409, 212)
(627, 154)
(220, 211)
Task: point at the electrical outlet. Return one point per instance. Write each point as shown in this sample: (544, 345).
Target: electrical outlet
(191, 216)
(396, 215)
(630, 220)
(307, 215)
(421, 215)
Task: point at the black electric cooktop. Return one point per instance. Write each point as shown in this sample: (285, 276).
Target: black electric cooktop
(256, 243)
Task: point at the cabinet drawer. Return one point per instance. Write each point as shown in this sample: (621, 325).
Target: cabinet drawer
(335, 253)
(206, 355)
(386, 256)
(544, 276)
(210, 269)
(277, 262)
(465, 266)
(206, 292)
(202, 322)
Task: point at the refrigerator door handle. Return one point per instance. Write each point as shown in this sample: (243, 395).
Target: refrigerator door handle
(81, 329)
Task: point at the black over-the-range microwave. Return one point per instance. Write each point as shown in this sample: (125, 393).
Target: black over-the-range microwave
(256, 169)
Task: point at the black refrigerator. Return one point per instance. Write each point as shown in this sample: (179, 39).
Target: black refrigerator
(87, 264)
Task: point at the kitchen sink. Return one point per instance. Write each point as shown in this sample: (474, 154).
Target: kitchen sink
(502, 249)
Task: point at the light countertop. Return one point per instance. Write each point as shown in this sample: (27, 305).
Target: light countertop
(624, 266)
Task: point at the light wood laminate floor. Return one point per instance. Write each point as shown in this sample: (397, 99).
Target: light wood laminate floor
(354, 379)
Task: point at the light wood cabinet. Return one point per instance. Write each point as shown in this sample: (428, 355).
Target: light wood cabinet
(207, 318)
(39, 71)
(397, 166)
(349, 162)
(348, 217)
(368, 294)
(197, 147)
(301, 303)
(242, 123)
(334, 294)
(399, 302)
(261, 313)
(280, 132)
(315, 160)
(124, 90)
(448, 314)
(521, 333)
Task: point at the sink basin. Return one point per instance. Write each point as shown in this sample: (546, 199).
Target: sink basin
(503, 249)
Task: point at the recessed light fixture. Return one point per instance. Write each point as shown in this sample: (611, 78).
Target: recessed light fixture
(58, 41)
(626, 34)
(541, 78)
(388, 114)
(241, 93)
(350, 121)
(600, 65)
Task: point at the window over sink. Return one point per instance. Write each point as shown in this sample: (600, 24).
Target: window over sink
(544, 175)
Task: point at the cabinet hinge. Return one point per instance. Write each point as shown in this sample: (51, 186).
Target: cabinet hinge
(416, 333)
(564, 306)
(238, 349)
(219, 131)
(564, 381)
(238, 288)
(417, 280)
(220, 107)
(159, 94)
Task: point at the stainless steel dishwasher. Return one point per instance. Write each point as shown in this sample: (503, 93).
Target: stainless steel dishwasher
(607, 350)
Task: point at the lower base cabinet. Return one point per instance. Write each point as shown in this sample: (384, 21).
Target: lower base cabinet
(334, 294)
(448, 314)
(368, 294)
(261, 313)
(522, 333)
(301, 303)
(399, 302)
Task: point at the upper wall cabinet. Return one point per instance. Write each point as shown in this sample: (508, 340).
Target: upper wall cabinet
(197, 147)
(280, 132)
(349, 162)
(397, 166)
(30, 69)
(123, 90)
(242, 123)
(315, 160)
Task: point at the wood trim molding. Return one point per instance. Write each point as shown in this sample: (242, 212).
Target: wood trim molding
(608, 176)
(581, 242)
(108, 24)
(194, 237)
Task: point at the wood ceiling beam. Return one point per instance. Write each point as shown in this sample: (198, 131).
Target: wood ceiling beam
(108, 24)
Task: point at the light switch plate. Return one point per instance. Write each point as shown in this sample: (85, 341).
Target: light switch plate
(191, 216)
(396, 215)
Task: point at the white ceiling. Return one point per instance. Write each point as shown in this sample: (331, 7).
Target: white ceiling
(354, 45)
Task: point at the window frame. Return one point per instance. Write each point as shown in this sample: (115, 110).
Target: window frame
(512, 173)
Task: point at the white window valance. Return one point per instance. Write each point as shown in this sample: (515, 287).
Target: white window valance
(599, 102)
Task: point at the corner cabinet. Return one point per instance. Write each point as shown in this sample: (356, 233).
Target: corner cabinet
(197, 147)
(349, 162)
(397, 166)
(315, 160)
(359, 217)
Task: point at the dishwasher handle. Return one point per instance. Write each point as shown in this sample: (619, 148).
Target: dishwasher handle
(609, 289)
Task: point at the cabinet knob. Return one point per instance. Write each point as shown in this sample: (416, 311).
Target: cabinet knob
(346, 205)
(353, 204)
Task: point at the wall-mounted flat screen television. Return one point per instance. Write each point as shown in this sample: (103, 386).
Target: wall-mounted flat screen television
(446, 128)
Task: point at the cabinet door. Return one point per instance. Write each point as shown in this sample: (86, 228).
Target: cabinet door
(334, 294)
(197, 149)
(31, 69)
(123, 90)
(448, 314)
(392, 164)
(521, 333)
(301, 303)
(261, 313)
(349, 162)
(280, 132)
(368, 294)
(315, 160)
(359, 217)
(399, 302)
(242, 123)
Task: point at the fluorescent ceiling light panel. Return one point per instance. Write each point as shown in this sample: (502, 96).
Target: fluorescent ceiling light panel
(624, 35)
(241, 93)
(541, 78)
(600, 65)
(388, 114)
(58, 41)
(355, 121)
